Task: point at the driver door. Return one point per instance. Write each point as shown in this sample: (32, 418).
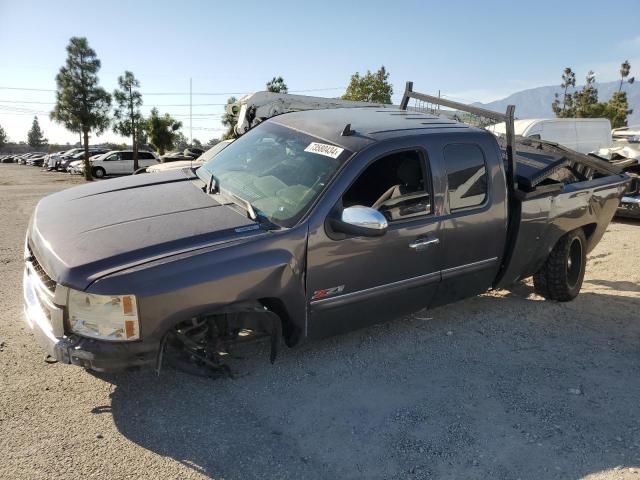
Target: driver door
(354, 281)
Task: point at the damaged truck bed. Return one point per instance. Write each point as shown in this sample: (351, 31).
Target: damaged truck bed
(310, 224)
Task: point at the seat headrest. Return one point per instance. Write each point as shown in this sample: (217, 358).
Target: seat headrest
(409, 171)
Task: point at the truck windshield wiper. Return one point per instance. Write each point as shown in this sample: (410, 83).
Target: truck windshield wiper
(213, 184)
(241, 202)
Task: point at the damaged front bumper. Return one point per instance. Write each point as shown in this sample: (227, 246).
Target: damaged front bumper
(44, 314)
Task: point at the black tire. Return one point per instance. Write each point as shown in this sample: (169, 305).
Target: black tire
(98, 172)
(560, 278)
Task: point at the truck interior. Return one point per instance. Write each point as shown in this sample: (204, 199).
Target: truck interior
(397, 185)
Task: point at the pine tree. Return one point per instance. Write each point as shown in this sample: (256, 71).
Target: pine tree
(163, 131)
(277, 85)
(127, 114)
(568, 81)
(3, 137)
(81, 104)
(35, 138)
(586, 100)
(625, 70)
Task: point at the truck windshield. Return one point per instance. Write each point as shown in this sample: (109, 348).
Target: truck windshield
(278, 171)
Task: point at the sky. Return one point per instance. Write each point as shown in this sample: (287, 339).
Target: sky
(468, 50)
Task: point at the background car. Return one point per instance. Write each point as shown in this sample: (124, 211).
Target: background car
(78, 154)
(205, 157)
(119, 162)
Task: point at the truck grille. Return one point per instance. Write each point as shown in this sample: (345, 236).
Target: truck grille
(46, 280)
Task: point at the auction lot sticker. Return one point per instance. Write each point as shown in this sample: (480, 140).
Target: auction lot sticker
(324, 149)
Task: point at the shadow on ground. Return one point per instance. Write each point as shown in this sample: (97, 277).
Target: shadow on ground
(500, 386)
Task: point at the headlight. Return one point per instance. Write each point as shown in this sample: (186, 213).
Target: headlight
(105, 317)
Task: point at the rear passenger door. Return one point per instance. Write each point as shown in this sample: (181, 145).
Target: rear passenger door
(475, 222)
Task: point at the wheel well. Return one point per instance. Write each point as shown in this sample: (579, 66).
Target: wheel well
(589, 230)
(291, 332)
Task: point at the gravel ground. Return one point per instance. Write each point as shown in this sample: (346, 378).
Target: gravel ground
(501, 386)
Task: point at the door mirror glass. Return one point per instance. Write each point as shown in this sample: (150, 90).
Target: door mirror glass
(361, 221)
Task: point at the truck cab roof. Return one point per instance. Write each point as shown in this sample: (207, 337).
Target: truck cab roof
(368, 125)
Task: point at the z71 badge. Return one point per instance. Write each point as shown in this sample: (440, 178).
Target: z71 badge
(327, 292)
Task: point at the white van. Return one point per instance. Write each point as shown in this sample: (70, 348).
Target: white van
(120, 162)
(583, 135)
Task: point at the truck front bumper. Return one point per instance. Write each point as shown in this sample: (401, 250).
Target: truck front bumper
(46, 320)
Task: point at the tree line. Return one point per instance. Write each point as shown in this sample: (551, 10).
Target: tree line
(584, 103)
(84, 107)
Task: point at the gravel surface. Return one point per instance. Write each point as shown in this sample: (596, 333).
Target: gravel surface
(501, 386)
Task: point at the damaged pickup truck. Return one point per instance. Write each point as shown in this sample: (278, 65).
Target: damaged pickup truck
(310, 224)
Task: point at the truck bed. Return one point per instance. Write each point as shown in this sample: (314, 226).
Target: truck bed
(559, 190)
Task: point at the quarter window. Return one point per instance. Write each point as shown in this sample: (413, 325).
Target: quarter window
(466, 175)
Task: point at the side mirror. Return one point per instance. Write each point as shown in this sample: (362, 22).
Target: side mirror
(361, 221)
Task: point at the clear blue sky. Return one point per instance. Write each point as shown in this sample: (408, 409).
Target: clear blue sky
(474, 51)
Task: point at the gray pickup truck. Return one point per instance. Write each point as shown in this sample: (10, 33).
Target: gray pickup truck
(311, 224)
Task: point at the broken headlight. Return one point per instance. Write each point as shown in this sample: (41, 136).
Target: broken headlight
(104, 317)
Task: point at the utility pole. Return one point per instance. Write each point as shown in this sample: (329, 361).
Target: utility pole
(190, 112)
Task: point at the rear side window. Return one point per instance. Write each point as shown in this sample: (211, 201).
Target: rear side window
(126, 156)
(466, 175)
(145, 156)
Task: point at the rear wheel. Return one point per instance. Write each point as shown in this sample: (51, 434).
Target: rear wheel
(560, 278)
(99, 172)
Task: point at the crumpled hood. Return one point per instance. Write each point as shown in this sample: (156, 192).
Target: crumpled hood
(81, 234)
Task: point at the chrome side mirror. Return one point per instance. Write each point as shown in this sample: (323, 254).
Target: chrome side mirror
(361, 221)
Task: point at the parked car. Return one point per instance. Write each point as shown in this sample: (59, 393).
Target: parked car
(119, 162)
(78, 154)
(310, 224)
(205, 157)
(626, 156)
(37, 160)
(584, 135)
(29, 158)
(76, 167)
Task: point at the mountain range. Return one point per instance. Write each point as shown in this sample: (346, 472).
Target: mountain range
(536, 102)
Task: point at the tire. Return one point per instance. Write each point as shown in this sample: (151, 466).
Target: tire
(99, 172)
(560, 278)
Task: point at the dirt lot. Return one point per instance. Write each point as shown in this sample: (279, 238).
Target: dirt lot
(502, 386)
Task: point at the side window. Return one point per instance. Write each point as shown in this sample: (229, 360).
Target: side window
(145, 156)
(397, 185)
(126, 156)
(466, 175)
(113, 157)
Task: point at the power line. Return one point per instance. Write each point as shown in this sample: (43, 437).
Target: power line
(149, 105)
(184, 93)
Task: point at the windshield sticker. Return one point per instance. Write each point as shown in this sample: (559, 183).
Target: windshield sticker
(324, 149)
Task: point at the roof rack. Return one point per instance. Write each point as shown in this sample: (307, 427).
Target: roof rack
(506, 117)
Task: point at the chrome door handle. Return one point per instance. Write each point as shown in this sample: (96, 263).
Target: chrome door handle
(423, 243)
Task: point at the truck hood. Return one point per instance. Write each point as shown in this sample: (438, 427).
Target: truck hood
(81, 234)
